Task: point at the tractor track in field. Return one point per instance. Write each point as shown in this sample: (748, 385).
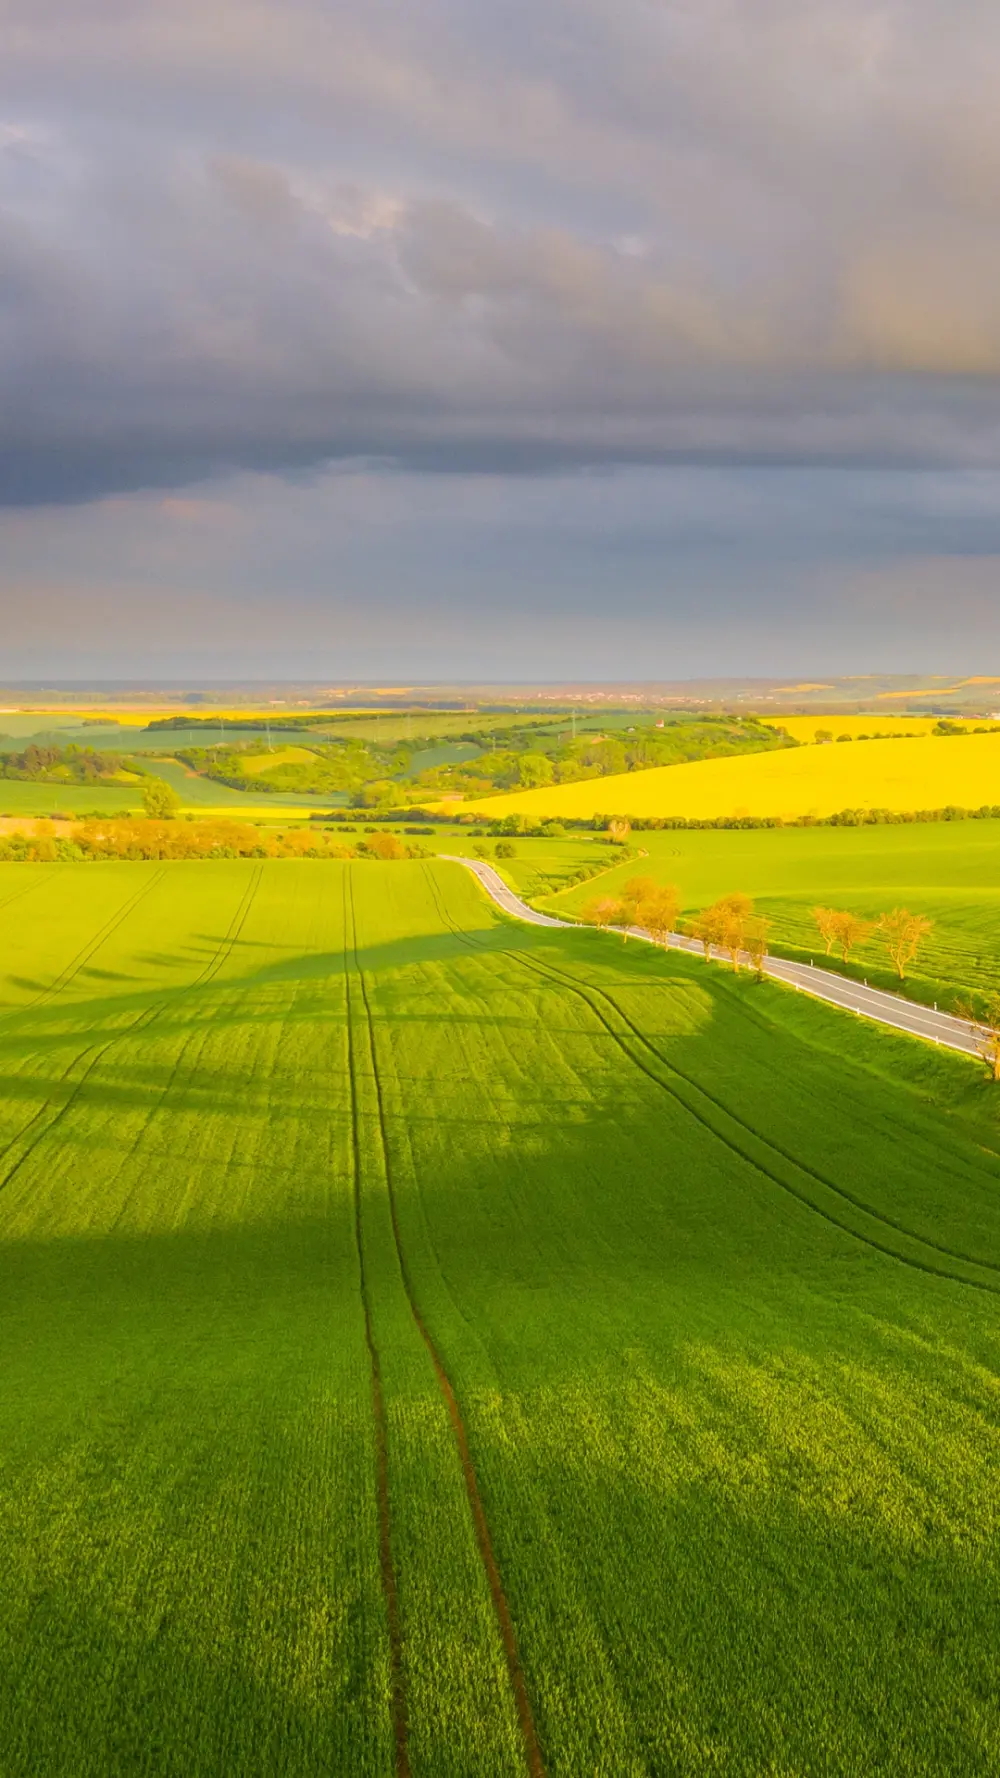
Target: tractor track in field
(27, 888)
(72, 969)
(588, 993)
(390, 1589)
(141, 1023)
(529, 1735)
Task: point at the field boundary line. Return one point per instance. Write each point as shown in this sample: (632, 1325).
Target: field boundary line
(526, 1719)
(390, 1588)
(567, 888)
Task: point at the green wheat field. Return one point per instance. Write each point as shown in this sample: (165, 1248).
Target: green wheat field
(433, 1345)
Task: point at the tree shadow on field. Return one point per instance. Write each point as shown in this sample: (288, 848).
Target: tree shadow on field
(187, 1507)
(740, 1467)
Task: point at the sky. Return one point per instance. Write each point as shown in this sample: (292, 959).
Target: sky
(608, 339)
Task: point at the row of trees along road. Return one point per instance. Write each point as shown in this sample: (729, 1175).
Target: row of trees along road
(731, 926)
(901, 932)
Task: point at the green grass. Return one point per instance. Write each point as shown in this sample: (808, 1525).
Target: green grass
(21, 797)
(205, 795)
(949, 871)
(713, 1272)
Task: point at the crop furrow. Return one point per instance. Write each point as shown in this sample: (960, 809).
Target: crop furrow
(388, 1571)
(529, 1735)
(231, 938)
(93, 945)
(142, 1023)
(802, 1197)
(768, 1142)
(588, 993)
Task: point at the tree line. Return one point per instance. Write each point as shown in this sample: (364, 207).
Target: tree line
(733, 927)
(139, 838)
(901, 932)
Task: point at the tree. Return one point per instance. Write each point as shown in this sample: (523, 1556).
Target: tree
(619, 828)
(985, 1029)
(733, 934)
(602, 911)
(535, 770)
(849, 931)
(722, 925)
(705, 928)
(160, 800)
(826, 920)
(636, 891)
(383, 845)
(657, 913)
(903, 933)
(504, 849)
(755, 931)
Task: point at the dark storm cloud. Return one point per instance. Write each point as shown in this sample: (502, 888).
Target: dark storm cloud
(516, 237)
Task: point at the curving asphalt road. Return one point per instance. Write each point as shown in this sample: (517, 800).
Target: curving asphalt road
(867, 1003)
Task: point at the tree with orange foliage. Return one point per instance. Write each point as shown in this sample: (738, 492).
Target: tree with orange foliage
(985, 1029)
(602, 911)
(903, 933)
(849, 931)
(657, 913)
(755, 933)
(826, 919)
(723, 925)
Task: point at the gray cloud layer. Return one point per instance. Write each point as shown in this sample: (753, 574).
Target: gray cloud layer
(464, 235)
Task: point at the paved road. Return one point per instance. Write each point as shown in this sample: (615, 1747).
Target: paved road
(824, 984)
(505, 898)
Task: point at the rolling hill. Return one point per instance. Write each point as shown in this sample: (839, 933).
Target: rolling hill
(926, 773)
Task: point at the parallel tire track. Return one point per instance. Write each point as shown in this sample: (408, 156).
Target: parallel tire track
(390, 1587)
(588, 995)
(529, 1735)
(98, 1051)
(724, 1111)
(144, 1019)
(93, 945)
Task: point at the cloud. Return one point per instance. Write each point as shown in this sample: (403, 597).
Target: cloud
(518, 238)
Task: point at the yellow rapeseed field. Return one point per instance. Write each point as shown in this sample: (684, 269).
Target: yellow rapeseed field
(804, 728)
(927, 773)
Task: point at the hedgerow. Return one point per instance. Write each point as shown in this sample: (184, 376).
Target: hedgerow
(165, 840)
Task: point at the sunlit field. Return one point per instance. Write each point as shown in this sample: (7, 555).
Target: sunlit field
(948, 871)
(804, 728)
(927, 773)
(434, 1344)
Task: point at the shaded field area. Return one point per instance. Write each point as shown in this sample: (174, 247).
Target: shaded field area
(436, 1345)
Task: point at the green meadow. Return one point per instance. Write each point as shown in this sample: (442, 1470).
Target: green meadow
(435, 1345)
(20, 797)
(949, 871)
